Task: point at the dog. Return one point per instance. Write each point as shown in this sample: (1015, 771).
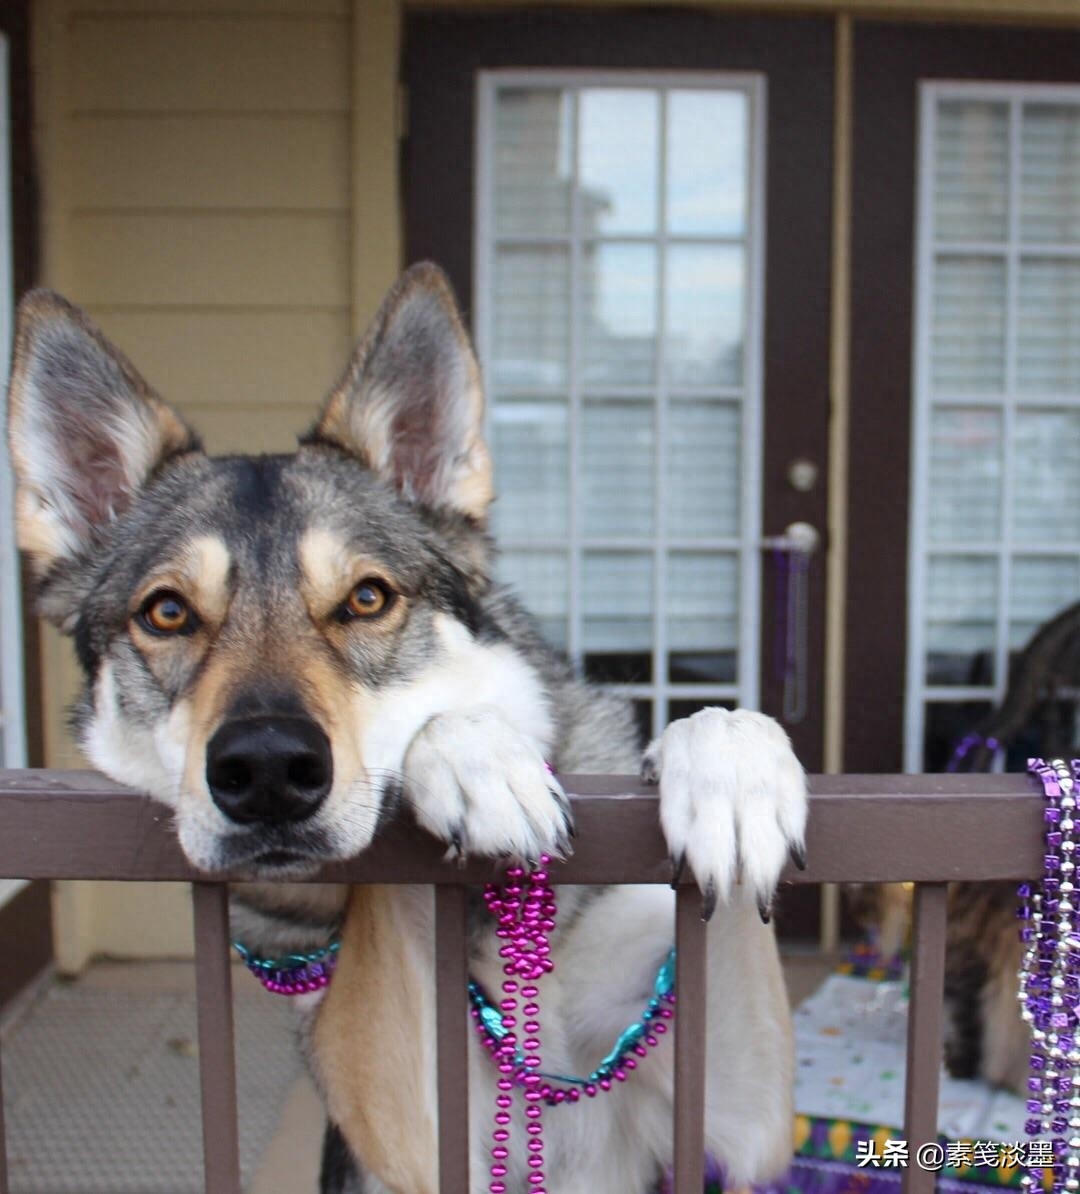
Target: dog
(283, 648)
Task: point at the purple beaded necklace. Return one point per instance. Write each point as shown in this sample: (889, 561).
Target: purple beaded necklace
(1049, 991)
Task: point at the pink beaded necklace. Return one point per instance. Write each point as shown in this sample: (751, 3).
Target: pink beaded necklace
(524, 913)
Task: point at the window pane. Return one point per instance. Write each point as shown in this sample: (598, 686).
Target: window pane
(1050, 173)
(703, 470)
(961, 619)
(704, 344)
(531, 318)
(1046, 464)
(947, 724)
(971, 171)
(617, 468)
(619, 157)
(703, 615)
(1049, 327)
(539, 579)
(533, 168)
(965, 475)
(707, 155)
(619, 293)
(968, 332)
(1041, 587)
(529, 439)
(618, 601)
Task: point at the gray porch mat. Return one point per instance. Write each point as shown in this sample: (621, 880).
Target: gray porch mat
(101, 1089)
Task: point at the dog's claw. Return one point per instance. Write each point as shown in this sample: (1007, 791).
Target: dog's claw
(708, 902)
(765, 911)
(678, 865)
(798, 856)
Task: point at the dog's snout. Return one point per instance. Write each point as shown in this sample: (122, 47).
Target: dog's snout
(269, 770)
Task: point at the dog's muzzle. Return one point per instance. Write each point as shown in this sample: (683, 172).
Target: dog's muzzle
(269, 770)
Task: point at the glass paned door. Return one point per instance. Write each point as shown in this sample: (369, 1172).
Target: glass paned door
(995, 527)
(619, 290)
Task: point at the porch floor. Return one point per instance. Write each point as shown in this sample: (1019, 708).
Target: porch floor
(101, 1084)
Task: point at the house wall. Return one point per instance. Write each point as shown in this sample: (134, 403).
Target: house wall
(220, 189)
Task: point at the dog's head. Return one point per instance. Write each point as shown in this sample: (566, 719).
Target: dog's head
(262, 637)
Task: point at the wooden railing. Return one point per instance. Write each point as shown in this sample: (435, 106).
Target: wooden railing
(929, 829)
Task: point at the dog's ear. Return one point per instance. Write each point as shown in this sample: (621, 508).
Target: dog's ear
(411, 404)
(85, 431)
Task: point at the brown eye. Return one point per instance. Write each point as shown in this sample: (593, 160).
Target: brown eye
(167, 613)
(369, 599)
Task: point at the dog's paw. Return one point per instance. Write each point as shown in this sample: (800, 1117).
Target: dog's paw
(732, 801)
(484, 788)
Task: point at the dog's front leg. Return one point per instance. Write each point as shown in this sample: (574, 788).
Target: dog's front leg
(483, 787)
(732, 802)
(733, 806)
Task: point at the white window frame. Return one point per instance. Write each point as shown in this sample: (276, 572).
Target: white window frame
(1010, 249)
(750, 395)
(12, 703)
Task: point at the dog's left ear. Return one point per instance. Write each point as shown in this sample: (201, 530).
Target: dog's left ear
(411, 404)
(86, 432)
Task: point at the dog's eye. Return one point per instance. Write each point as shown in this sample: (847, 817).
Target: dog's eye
(167, 613)
(369, 599)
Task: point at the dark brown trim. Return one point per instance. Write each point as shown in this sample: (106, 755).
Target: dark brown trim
(15, 24)
(26, 934)
(443, 53)
(890, 59)
(863, 828)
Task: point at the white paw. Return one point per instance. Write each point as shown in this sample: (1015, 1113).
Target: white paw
(732, 801)
(480, 785)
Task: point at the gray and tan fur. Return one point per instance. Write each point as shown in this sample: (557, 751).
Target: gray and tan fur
(283, 648)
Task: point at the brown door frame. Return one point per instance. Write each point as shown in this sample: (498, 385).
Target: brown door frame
(890, 60)
(442, 53)
(26, 919)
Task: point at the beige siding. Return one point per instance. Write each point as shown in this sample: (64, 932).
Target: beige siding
(196, 162)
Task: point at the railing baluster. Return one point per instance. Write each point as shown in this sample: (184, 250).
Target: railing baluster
(217, 1059)
(3, 1138)
(690, 944)
(926, 1017)
(452, 1027)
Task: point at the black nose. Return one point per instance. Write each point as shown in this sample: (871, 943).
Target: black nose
(269, 770)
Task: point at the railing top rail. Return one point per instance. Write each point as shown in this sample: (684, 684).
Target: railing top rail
(873, 828)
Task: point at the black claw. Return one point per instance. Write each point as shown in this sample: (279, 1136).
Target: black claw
(764, 908)
(678, 865)
(457, 845)
(708, 902)
(798, 857)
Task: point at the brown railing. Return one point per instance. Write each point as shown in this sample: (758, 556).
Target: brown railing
(929, 829)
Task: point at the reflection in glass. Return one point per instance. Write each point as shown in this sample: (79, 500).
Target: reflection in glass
(703, 469)
(1041, 587)
(531, 318)
(968, 329)
(1048, 326)
(961, 619)
(1050, 173)
(617, 478)
(704, 343)
(540, 579)
(707, 160)
(533, 167)
(618, 160)
(703, 615)
(618, 601)
(1046, 463)
(971, 171)
(529, 439)
(619, 294)
(965, 475)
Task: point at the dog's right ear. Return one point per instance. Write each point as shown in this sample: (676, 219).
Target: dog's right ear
(85, 431)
